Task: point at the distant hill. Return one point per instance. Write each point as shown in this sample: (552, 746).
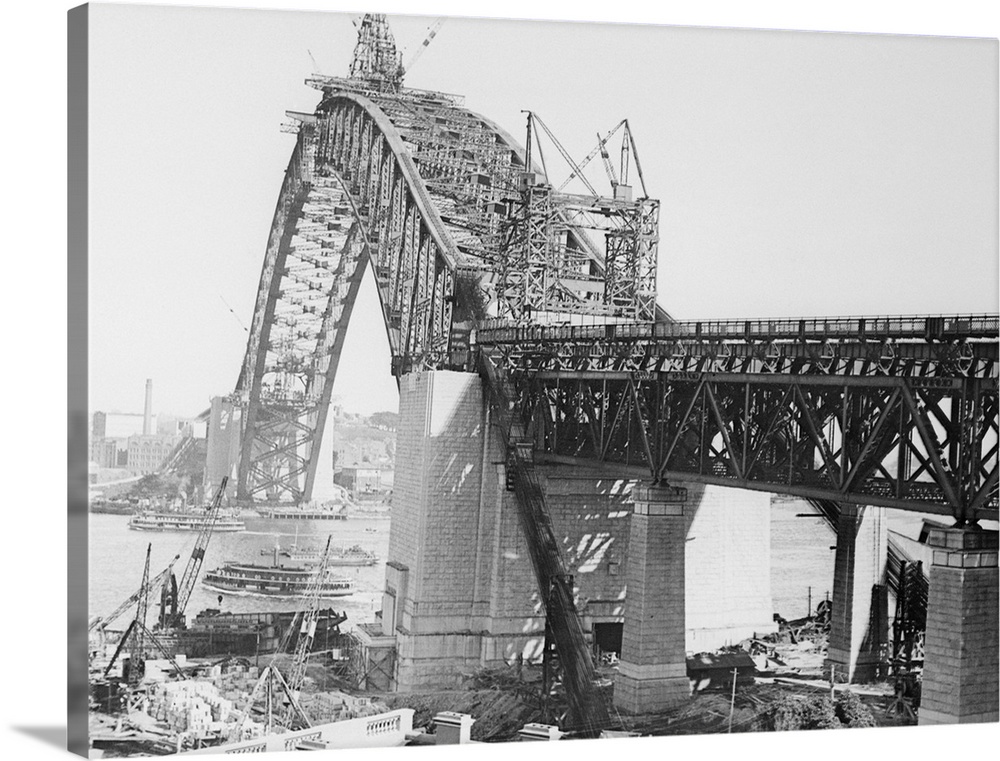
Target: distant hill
(365, 440)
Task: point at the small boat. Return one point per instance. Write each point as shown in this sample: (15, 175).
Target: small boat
(276, 581)
(156, 521)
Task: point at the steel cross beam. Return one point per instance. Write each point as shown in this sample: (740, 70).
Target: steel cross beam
(905, 415)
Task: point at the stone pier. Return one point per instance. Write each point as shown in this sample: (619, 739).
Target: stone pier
(960, 682)
(859, 626)
(652, 674)
(460, 592)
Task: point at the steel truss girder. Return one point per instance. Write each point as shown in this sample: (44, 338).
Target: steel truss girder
(794, 382)
(925, 444)
(964, 346)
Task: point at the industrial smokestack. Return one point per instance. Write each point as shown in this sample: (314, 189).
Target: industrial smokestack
(147, 419)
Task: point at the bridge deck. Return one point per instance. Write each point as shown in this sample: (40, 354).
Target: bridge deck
(897, 328)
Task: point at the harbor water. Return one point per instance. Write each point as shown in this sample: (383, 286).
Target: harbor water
(801, 560)
(117, 554)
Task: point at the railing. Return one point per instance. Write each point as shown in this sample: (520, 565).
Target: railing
(380, 731)
(913, 327)
(381, 726)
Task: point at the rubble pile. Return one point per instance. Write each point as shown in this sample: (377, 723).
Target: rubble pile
(501, 700)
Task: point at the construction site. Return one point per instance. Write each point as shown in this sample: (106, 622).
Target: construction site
(225, 681)
(580, 542)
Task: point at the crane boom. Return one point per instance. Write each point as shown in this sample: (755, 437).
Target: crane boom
(308, 630)
(607, 164)
(590, 156)
(132, 599)
(190, 577)
(137, 650)
(434, 29)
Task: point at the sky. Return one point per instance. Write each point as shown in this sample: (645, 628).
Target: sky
(798, 173)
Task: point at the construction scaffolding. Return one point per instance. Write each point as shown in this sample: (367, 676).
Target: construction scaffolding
(552, 244)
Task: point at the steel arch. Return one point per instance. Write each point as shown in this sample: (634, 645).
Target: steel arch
(392, 180)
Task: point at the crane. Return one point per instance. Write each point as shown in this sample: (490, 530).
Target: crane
(174, 617)
(628, 152)
(307, 631)
(433, 30)
(136, 651)
(137, 635)
(271, 680)
(160, 578)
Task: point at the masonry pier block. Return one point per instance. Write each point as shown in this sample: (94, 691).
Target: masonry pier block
(430, 590)
(960, 682)
(859, 626)
(460, 592)
(652, 673)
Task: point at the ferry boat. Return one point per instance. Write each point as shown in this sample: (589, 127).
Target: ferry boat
(112, 506)
(329, 511)
(157, 521)
(339, 556)
(272, 580)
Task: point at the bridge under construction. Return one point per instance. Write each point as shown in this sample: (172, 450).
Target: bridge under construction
(563, 437)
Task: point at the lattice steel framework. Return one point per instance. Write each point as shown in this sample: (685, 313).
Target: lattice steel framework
(410, 182)
(901, 412)
(442, 203)
(563, 254)
(545, 274)
(376, 59)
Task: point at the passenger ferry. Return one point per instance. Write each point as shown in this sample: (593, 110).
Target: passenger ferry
(154, 521)
(339, 556)
(288, 581)
(329, 511)
(113, 506)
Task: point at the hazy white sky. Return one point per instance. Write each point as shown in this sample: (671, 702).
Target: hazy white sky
(799, 173)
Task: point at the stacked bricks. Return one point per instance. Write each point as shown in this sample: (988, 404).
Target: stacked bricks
(652, 674)
(327, 707)
(960, 680)
(190, 706)
(855, 652)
